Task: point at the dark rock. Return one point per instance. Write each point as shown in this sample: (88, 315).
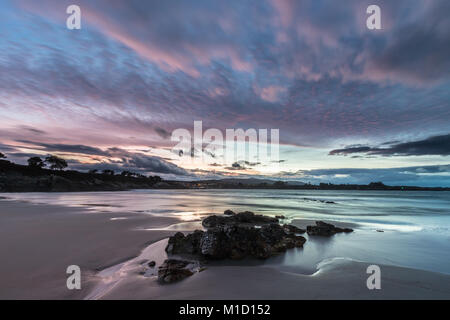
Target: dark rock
(213, 244)
(181, 244)
(229, 213)
(289, 228)
(238, 236)
(280, 217)
(241, 217)
(325, 229)
(272, 233)
(151, 264)
(174, 270)
(214, 221)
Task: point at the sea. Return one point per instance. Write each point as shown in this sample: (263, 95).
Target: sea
(402, 228)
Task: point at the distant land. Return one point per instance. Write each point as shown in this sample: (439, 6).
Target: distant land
(21, 178)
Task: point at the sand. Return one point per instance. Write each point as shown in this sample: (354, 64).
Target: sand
(337, 278)
(38, 242)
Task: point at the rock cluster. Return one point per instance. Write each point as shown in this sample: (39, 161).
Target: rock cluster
(289, 228)
(236, 237)
(232, 218)
(174, 270)
(325, 229)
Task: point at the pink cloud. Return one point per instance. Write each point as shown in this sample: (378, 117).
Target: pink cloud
(271, 93)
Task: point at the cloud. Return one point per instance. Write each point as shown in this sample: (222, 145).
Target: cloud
(7, 148)
(70, 148)
(162, 133)
(436, 145)
(111, 158)
(139, 69)
(236, 166)
(330, 78)
(152, 164)
(271, 93)
(433, 175)
(419, 49)
(33, 130)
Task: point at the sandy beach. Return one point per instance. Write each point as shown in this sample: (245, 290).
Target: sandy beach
(39, 241)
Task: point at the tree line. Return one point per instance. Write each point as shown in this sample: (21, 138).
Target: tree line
(56, 163)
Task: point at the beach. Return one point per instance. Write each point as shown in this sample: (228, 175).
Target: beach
(112, 241)
(38, 242)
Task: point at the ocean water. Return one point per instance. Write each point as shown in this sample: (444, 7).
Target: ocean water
(415, 224)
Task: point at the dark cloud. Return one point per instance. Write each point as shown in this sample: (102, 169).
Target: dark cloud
(436, 145)
(259, 65)
(152, 164)
(242, 165)
(350, 150)
(420, 48)
(127, 160)
(434, 175)
(236, 166)
(7, 148)
(70, 148)
(162, 133)
(137, 163)
(33, 130)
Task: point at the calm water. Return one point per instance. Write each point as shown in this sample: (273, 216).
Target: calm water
(416, 225)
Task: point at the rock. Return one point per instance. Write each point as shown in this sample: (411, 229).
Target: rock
(151, 264)
(272, 233)
(229, 213)
(241, 217)
(179, 243)
(290, 242)
(289, 228)
(236, 237)
(174, 270)
(213, 244)
(380, 230)
(213, 221)
(280, 217)
(325, 229)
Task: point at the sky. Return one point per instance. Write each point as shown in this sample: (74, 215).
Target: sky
(352, 105)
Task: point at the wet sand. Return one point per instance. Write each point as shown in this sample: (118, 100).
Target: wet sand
(338, 278)
(38, 242)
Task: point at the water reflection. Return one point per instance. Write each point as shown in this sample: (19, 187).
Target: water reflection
(416, 225)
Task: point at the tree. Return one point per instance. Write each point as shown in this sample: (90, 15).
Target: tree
(36, 162)
(2, 156)
(126, 173)
(93, 171)
(56, 162)
(108, 172)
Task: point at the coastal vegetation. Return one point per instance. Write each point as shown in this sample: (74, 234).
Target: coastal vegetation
(51, 175)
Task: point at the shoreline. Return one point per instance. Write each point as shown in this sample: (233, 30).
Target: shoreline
(337, 279)
(39, 241)
(56, 236)
(313, 188)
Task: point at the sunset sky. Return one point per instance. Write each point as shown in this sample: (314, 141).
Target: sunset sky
(352, 105)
